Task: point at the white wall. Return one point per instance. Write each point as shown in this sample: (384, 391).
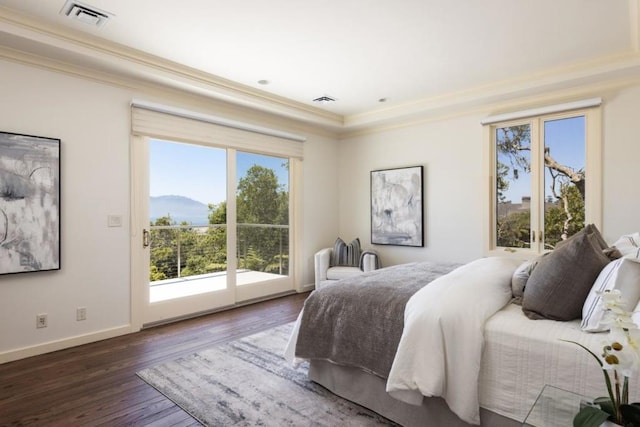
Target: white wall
(320, 199)
(93, 122)
(621, 163)
(451, 151)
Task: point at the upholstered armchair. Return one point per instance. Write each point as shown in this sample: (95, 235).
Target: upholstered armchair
(343, 260)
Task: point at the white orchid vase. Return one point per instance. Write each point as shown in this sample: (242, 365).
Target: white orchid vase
(620, 359)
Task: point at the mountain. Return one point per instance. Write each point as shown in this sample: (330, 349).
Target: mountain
(180, 209)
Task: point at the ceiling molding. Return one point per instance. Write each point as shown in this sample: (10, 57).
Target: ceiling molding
(161, 93)
(603, 89)
(589, 73)
(143, 65)
(33, 42)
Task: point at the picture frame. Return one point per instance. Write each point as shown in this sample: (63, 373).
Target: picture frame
(397, 208)
(29, 203)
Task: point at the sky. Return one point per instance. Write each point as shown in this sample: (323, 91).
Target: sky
(199, 172)
(566, 139)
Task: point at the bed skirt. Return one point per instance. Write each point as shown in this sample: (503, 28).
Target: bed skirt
(369, 391)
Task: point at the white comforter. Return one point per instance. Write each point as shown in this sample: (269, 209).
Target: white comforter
(441, 346)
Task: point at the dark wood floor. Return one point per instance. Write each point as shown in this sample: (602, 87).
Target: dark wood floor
(96, 384)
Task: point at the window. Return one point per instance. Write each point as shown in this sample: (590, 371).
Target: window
(545, 179)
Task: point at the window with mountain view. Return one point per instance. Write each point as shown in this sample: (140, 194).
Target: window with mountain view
(187, 187)
(189, 216)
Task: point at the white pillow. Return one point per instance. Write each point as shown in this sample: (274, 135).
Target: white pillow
(622, 274)
(628, 244)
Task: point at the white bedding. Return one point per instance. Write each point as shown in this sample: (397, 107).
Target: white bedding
(441, 346)
(489, 353)
(522, 355)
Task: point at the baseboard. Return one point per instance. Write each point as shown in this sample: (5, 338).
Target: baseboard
(307, 288)
(22, 353)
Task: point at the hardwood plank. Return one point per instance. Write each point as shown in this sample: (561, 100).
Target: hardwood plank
(96, 384)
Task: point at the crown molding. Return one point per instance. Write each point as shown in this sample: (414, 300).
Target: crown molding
(609, 69)
(36, 43)
(604, 89)
(93, 53)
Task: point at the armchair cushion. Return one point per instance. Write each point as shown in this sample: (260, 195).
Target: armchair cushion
(329, 266)
(340, 272)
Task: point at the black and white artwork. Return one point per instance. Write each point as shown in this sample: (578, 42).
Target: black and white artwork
(29, 203)
(396, 207)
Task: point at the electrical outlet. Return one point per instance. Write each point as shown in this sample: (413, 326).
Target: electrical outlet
(81, 313)
(41, 320)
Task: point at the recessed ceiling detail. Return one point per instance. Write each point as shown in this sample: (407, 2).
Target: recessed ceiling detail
(85, 13)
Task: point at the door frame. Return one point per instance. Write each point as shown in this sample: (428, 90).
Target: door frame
(142, 312)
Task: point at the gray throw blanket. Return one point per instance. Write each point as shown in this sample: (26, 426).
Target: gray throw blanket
(358, 321)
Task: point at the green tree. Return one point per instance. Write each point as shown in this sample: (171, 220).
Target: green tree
(514, 231)
(564, 213)
(162, 250)
(218, 213)
(258, 196)
(194, 250)
(502, 184)
(564, 217)
(261, 200)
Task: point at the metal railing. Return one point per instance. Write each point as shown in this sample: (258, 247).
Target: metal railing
(187, 250)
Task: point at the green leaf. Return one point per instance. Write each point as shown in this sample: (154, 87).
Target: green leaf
(590, 416)
(631, 414)
(605, 404)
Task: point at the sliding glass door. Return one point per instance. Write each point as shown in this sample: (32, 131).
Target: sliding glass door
(262, 203)
(187, 189)
(206, 250)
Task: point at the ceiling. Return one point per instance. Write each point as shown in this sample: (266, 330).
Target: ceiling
(374, 57)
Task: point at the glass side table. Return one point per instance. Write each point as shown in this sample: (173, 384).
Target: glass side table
(555, 407)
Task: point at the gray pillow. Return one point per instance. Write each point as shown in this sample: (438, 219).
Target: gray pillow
(344, 254)
(561, 281)
(520, 278)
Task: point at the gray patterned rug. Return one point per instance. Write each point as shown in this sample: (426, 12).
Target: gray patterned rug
(248, 383)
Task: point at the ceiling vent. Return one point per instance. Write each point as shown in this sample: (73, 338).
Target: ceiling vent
(85, 13)
(324, 99)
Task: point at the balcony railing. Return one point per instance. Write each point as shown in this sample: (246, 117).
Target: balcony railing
(188, 250)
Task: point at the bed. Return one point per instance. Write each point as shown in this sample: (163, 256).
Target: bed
(491, 361)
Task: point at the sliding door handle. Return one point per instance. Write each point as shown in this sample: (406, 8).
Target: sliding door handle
(145, 238)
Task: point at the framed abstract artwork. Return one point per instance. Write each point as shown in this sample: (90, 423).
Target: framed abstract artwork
(29, 203)
(396, 207)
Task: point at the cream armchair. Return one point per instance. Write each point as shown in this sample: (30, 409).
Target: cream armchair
(327, 273)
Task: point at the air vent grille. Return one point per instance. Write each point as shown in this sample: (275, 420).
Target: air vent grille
(324, 99)
(85, 13)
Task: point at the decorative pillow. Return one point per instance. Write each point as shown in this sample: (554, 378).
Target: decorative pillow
(627, 244)
(598, 241)
(612, 253)
(622, 274)
(520, 278)
(346, 254)
(596, 237)
(561, 281)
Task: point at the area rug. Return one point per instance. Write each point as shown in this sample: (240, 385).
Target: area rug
(248, 383)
